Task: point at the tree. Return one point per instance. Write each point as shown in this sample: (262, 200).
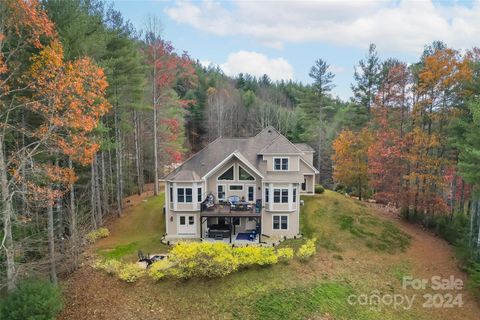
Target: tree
(22, 26)
(316, 104)
(351, 159)
(367, 76)
(166, 69)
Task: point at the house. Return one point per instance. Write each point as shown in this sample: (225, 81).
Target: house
(240, 189)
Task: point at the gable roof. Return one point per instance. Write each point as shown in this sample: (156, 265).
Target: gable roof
(304, 147)
(246, 150)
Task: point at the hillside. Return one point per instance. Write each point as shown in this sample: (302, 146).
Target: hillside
(359, 250)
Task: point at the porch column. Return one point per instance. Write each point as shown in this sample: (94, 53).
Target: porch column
(270, 196)
(290, 197)
(175, 196)
(230, 229)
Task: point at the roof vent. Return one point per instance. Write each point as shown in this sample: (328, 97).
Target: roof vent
(269, 130)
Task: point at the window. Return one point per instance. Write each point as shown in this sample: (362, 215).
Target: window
(222, 221)
(236, 221)
(227, 175)
(236, 187)
(244, 175)
(182, 220)
(251, 193)
(199, 195)
(280, 222)
(221, 192)
(280, 195)
(171, 194)
(276, 195)
(266, 194)
(304, 185)
(295, 195)
(191, 220)
(184, 195)
(280, 164)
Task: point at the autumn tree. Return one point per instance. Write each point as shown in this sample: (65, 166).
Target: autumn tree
(351, 160)
(167, 68)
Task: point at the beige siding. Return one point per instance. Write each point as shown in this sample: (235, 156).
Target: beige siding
(293, 225)
(212, 181)
(293, 164)
(309, 157)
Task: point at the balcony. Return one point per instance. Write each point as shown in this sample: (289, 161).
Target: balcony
(231, 208)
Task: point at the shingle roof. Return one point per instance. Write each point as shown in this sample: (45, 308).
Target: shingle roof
(304, 147)
(199, 164)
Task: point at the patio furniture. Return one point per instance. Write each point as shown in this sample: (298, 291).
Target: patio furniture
(219, 231)
(209, 202)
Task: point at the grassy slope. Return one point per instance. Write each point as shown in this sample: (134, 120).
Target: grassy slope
(140, 228)
(357, 253)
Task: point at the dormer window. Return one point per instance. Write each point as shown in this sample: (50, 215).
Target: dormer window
(227, 175)
(280, 164)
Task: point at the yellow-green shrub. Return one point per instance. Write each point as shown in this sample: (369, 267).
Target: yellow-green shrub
(202, 259)
(307, 250)
(160, 269)
(97, 234)
(250, 256)
(110, 266)
(130, 272)
(285, 254)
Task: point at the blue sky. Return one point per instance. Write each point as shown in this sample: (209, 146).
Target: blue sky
(284, 38)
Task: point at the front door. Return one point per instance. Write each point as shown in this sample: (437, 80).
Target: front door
(186, 224)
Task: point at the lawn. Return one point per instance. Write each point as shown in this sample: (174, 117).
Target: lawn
(140, 228)
(358, 251)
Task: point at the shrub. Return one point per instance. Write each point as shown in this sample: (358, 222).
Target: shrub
(285, 254)
(130, 272)
(110, 266)
(160, 269)
(97, 234)
(474, 278)
(250, 256)
(319, 188)
(34, 299)
(307, 250)
(202, 259)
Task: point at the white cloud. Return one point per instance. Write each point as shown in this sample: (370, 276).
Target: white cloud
(257, 64)
(403, 25)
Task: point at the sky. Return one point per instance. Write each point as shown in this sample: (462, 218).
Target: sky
(284, 38)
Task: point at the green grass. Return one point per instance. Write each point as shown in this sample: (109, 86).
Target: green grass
(140, 228)
(314, 290)
(338, 222)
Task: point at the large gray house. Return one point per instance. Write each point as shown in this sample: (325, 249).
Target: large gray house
(240, 189)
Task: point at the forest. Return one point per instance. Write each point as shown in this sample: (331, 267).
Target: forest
(93, 110)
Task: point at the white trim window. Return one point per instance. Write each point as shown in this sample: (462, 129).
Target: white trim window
(221, 192)
(199, 194)
(266, 195)
(280, 195)
(251, 193)
(227, 175)
(235, 187)
(244, 175)
(184, 195)
(294, 194)
(280, 164)
(279, 222)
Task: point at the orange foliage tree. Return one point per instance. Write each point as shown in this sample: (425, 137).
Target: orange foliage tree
(351, 159)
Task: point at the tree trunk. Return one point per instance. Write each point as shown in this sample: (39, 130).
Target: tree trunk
(73, 221)
(137, 153)
(155, 129)
(104, 185)
(98, 200)
(92, 198)
(51, 244)
(6, 206)
(118, 163)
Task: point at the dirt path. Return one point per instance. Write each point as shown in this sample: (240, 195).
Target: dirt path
(432, 256)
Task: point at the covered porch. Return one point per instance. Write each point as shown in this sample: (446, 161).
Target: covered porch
(241, 227)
